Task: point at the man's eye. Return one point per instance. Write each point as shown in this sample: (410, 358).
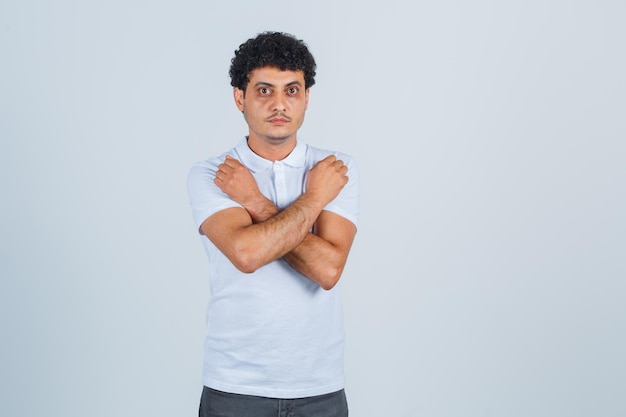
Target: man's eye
(264, 90)
(292, 90)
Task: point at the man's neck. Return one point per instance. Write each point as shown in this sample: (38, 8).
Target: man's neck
(272, 150)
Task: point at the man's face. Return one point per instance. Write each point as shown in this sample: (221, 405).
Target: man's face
(274, 104)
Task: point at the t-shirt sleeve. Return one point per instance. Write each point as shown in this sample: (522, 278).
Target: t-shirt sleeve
(346, 204)
(205, 197)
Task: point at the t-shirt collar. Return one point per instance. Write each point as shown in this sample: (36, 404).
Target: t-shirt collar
(255, 163)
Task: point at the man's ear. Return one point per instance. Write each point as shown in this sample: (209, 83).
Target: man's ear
(306, 98)
(239, 98)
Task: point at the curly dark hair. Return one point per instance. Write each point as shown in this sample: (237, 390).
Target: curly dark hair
(275, 49)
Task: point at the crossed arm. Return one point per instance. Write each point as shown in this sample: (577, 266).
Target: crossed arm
(261, 233)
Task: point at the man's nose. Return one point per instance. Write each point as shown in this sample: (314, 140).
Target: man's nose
(279, 103)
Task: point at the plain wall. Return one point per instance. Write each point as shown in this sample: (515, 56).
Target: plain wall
(488, 273)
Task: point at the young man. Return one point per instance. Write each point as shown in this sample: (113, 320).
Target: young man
(278, 218)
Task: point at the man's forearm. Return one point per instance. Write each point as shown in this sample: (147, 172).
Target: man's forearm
(250, 245)
(318, 260)
(314, 257)
(261, 210)
(281, 232)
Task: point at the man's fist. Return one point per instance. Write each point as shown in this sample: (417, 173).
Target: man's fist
(326, 179)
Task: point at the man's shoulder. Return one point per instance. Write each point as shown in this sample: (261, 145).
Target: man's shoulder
(212, 162)
(316, 153)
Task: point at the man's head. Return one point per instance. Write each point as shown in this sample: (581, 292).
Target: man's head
(271, 49)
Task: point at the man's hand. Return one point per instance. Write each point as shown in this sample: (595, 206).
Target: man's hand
(326, 179)
(236, 180)
(324, 182)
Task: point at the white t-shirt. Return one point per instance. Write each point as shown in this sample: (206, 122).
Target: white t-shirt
(272, 333)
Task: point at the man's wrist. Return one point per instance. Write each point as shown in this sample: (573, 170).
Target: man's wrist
(312, 201)
(260, 209)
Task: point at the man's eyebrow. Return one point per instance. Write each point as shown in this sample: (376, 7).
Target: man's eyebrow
(263, 84)
(266, 84)
(295, 82)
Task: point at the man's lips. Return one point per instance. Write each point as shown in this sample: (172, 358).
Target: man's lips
(278, 120)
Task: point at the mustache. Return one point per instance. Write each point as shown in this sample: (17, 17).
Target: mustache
(278, 114)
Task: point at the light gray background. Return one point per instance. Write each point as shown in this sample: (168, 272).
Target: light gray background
(487, 278)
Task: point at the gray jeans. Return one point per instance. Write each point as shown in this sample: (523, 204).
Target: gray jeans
(223, 404)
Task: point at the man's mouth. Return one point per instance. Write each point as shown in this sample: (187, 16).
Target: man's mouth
(278, 119)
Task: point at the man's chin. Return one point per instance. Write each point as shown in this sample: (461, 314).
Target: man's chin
(279, 139)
